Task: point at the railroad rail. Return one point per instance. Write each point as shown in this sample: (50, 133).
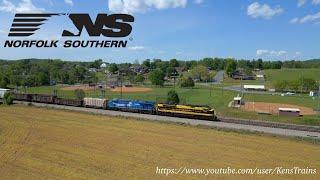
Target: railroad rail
(271, 124)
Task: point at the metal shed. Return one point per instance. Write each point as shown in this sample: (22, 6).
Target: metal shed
(254, 87)
(289, 112)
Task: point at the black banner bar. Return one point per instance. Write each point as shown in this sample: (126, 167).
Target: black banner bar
(20, 34)
(26, 24)
(30, 20)
(24, 29)
(35, 15)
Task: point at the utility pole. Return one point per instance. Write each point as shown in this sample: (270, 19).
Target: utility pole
(319, 97)
(120, 78)
(301, 77)
(241, 88)
(210, 89)
(174, 75)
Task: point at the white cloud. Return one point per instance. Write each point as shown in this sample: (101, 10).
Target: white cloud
(134, 6)
(256, 10)
(198, 1)
(316, 2)
(136, 48)
(265, 52)
(294, 20)
(301, 2)
(24, 6)
(311, 18)
(69, 2)
(261, 52)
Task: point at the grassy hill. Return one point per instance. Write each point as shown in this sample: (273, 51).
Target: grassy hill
(52, 144)
(274, 75)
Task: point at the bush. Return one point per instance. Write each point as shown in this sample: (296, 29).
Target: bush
(80, 94)
(186, 82)
(8, 98)
(172, 97)
(139, 78)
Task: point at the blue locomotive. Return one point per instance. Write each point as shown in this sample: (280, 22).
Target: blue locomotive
(132, 106)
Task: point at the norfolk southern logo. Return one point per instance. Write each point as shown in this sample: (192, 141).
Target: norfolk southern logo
(113, 26)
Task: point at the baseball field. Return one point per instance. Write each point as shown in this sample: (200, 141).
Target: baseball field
(37, 143)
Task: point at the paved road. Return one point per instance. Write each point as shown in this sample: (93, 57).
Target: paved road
(252, 128)
(219, 77)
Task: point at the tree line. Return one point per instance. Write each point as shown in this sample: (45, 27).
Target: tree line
(31, 72)
(39, 72)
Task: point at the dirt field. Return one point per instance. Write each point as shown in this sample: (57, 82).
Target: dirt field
(131, 89)
(51, 144)
(273, 108)
(75, 87)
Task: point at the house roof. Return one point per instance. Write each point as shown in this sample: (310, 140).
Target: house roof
(1, 89)
(289, 109)
(254, 86)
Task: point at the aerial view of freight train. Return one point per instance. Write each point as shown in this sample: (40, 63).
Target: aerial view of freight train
(126, 105)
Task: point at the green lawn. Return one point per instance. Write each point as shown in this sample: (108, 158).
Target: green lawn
(274, 75)
(218, 99)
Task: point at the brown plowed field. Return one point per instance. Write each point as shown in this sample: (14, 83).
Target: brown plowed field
(39, 143)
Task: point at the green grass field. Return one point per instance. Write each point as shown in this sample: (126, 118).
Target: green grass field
(218, 99)
(39, 143)
(274, 75)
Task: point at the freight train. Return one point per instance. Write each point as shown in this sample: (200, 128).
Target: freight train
(126, 105)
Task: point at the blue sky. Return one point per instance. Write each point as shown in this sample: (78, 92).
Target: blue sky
(182, 29)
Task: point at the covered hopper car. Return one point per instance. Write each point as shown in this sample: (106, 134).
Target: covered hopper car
(95, 103)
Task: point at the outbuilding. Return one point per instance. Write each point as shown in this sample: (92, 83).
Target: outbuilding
(313, 94)
(289, 112)
(237, 101)
(254, 87)
(2, 92)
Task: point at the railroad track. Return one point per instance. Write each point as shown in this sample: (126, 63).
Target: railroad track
(224, 123)
(271, 124)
